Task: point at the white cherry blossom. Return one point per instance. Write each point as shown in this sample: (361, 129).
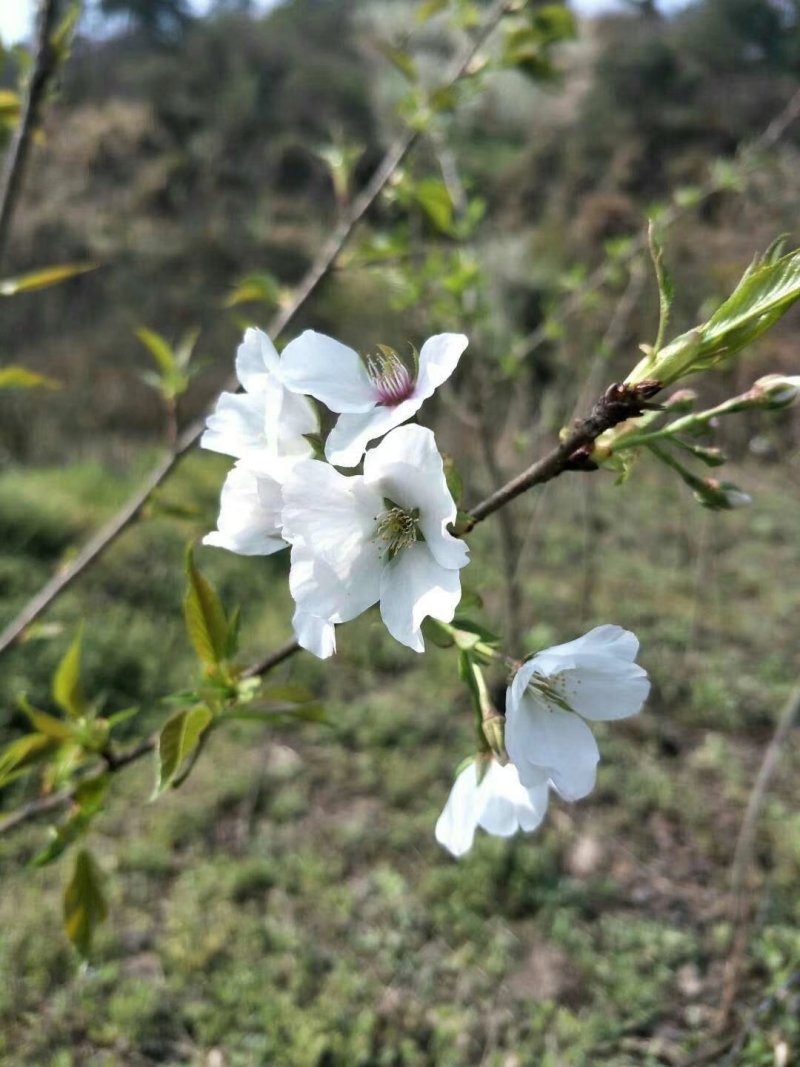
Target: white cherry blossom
(372, 395)
(380, 536)
(556, 691)
(266, 421)
(249, 520)
(498, 802)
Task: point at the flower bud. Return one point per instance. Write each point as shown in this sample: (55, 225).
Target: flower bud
(775, 391)
(681, 401)
(721, 496)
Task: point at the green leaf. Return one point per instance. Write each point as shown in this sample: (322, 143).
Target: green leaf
(67, 689)
(46, 724)
(430, 8)
(263, 288)
(89, 797)
(41, 279)
(205, 618)
(23, 753)
(178, 739)
(434, 198)
(84, 902)
(436, 633)
(665, 288)
(20, 378)
(186, 346)
(553, 23)
(401, 61)
(159, 349)
(767, 289)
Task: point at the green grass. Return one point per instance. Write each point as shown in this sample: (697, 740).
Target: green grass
(289, 905)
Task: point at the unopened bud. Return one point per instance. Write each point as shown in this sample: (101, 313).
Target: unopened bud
(721, 496)
(712, 457)
(680, 402)
(775, 391)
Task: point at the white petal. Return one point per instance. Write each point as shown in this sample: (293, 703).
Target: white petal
(541, 737)
(604, 687)
(455, 827)
(413, 586)
(236, 426)
(353, 432)
(605, 640)
(317, 590)
(328, 370)
(334, 515)
(406, 467)
(438, 359)
(256, 360)
(288, 416)
(316, 635)
(249, 517)
(507, 805)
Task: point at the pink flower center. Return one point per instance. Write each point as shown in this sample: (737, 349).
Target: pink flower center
(391, 378)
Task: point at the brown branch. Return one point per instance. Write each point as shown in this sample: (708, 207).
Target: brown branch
(45, 64)
(319, 269)
(618, 403)
(114, 761)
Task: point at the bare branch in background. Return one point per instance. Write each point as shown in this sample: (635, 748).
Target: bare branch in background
(45, 64)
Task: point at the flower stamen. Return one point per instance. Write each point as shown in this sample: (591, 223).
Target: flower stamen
(397, 528)
(391, 378)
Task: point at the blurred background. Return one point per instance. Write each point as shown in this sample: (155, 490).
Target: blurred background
(289, 905)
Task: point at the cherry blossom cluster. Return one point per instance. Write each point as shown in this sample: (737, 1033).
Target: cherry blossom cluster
(381, 534)
(549, 744)
(378, 536)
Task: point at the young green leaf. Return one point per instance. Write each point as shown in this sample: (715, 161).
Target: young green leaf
(665, 288)
(178, 739)
(21, 378)
(41, 279)
(20, 754)
(46, 724)
(159, 349)
(206, 622)
(434, 199)
(67, 689)
(262, 288)
(89, 797)
(84, 902)
(429, 8)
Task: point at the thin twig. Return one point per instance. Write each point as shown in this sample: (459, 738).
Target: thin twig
(113, 761)
(318, 270)
(45, 64)
(617, 404)
(743, 856)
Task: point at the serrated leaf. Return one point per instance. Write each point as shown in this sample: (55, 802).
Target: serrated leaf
(84, 902)
(22, 753)
(160, 349)
(206, 622)
(178, 739)
(41, 279)
(20, 378)
(46, 724)
(67, 689)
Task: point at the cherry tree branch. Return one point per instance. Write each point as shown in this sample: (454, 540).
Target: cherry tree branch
(45, 64)
(323, 263)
